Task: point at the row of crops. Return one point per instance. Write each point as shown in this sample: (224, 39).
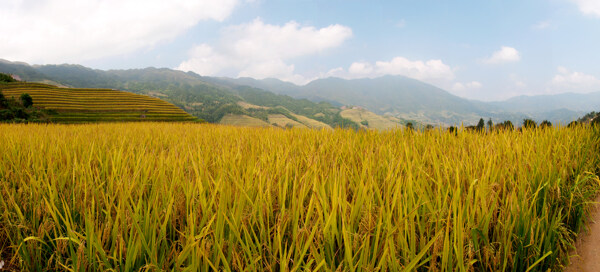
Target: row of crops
(192, 197)
(94, 105)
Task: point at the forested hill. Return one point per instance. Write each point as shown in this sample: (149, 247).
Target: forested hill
(193, 93)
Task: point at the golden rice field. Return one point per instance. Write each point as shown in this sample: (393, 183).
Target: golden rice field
(95, 105)
(193, 197)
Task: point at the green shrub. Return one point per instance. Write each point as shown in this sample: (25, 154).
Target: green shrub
(528, 123)
(6, 115)
(545, 124)
(6, 78)
(3, 101)
(26, 100)
(20, 113)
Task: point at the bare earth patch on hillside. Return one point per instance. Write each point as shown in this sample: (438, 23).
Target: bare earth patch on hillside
(250, 106)
(311, 123)
(586, 257)
(367, 119)
(281, 120)
(242, 120)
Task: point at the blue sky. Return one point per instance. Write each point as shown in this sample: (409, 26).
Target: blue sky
(487, 50)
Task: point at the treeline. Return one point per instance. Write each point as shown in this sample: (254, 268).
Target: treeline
(482, 126)
(22, 110)
(592, 118)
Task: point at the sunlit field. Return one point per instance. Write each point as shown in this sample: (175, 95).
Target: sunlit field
(192, 197)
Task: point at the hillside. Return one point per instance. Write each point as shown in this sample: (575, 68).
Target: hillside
(398, 96)
(406, 99)
(195, 94)
(243, 121)
(70, 105)
(410, 99)
(370, 120)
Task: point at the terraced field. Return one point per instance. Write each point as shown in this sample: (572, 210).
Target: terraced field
(371, 120)
(95, 105)
(242, 121)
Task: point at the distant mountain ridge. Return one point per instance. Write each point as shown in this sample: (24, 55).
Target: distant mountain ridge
(411, 99)
(565, 101)
(191, 92)
(403, 98)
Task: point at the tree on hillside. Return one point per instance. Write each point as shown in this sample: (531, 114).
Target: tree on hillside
(481, 125)
(6, 78)
(453, 130)
(528, 123)
(490, 124)
(545, 124)
(26, 100)
(573, 124)
(410, 126)
(506, 125)
(3, 102)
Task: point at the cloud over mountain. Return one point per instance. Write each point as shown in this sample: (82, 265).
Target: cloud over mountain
(504, 55)
(261, 50)
(589, 7)
(75, 31)
(572, 81)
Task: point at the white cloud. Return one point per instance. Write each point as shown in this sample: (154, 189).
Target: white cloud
(463, 89)
(504, 55)
(261, 50)
(335, 72)
(433, 71)
(401, 24)
(361, 69)
(520, 84)
(589, 7)
(517, 81)
(571, 81)
(467, 89)
(49, 31)
(422, 70)
(541, 25)
(459, 87)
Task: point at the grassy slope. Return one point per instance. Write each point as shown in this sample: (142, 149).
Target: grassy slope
(95, 105)
(242, 121)
(281, 120)
(372, 120)
(311, 123)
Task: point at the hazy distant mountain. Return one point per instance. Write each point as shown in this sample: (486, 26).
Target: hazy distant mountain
(21, 69)
(268, 84)
(388, 94)
(398, 96)
(539, 103)
(415, 100)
